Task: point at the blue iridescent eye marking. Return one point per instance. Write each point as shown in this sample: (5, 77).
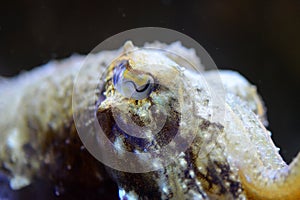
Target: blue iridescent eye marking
(132, 83)
(118, 71)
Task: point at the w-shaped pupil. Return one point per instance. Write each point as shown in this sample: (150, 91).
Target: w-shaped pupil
(143, 89)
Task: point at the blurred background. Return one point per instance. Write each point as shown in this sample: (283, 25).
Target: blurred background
(259, 39)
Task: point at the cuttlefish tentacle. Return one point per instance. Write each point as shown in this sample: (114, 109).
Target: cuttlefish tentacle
(263, 173)
(285, 184)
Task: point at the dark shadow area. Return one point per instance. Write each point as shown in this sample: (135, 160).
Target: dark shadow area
(42, 189)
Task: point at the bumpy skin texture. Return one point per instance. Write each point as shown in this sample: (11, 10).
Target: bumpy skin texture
(38, 138)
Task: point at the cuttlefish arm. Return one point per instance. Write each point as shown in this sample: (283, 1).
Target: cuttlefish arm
(263, 173)
(284, 185)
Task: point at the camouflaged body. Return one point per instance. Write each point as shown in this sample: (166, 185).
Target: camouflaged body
(38, 139)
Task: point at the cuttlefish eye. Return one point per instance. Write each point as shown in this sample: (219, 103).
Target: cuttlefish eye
(132, 83)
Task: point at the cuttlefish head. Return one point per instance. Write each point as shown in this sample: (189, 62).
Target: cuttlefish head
(142, 99)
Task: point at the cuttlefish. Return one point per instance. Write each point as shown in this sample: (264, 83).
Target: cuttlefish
(172, 129)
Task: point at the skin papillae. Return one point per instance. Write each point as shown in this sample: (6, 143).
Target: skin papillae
(233, 158)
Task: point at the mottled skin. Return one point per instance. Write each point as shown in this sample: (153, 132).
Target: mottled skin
(229, 159)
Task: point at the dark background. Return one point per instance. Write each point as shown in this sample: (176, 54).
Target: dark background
(260, 39)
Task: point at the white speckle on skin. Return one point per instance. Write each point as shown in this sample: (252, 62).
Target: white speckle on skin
(127, 195)
(122, 193)
(12, 140)
(183, 162)
(165, 189)
(118, 144)
(192, 174)
(18, 182)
